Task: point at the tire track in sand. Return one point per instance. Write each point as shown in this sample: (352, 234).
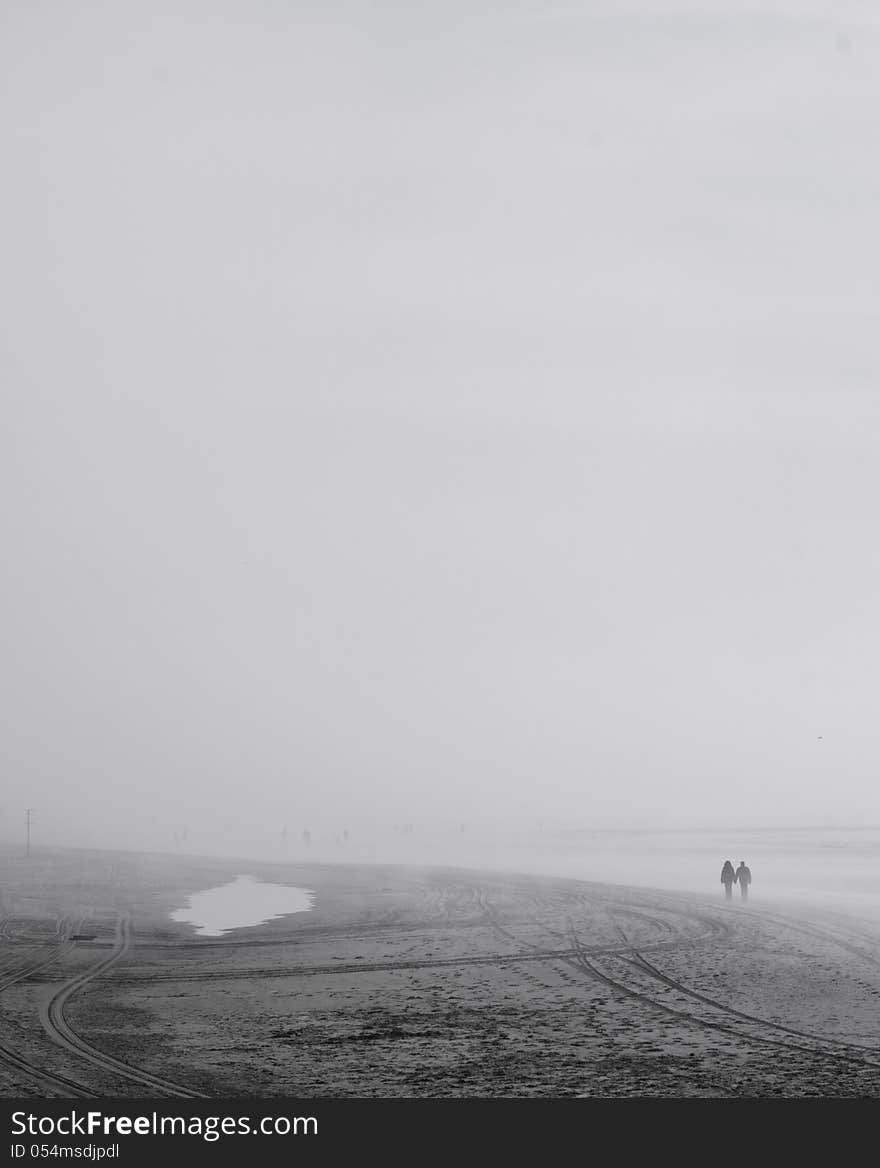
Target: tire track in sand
(21, 971)
(727, 1027)
(640, 962)
(583, 958)
(55, 1023)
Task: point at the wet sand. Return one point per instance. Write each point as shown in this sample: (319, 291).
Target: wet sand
(424, 983)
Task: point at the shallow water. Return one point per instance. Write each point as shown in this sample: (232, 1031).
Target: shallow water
(240, 904)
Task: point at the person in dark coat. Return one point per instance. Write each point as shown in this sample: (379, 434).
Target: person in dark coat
(728, 877)
(744, 876)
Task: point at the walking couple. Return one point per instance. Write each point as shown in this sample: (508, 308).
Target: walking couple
(742, 876)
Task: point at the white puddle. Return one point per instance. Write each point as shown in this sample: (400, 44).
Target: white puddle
(244, 902)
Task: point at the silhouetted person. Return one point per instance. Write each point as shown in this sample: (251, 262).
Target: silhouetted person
(307, 836)
(728, 878)
(744, 876)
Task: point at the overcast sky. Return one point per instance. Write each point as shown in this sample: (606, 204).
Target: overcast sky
(454, 408)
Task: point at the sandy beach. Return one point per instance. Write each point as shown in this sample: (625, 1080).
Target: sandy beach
(434, 982)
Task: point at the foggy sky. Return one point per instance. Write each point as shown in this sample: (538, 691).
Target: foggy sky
(444, 409)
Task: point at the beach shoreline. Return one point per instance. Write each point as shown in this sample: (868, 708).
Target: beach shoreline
(425, 982)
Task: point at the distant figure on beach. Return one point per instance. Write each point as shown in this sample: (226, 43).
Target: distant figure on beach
(744, 876)
(728, 877)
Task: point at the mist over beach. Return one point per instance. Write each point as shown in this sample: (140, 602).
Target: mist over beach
(456, 412)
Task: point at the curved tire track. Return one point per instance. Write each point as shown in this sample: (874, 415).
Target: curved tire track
(746, 1036)
(21, 971)
(59, 1029)
(646, 966)
(582, 959)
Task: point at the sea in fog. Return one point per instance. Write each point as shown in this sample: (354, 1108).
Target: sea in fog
(819, 864)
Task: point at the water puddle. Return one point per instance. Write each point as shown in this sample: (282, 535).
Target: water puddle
(240, 904)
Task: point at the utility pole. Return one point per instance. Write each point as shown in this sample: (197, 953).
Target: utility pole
(27, 819)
